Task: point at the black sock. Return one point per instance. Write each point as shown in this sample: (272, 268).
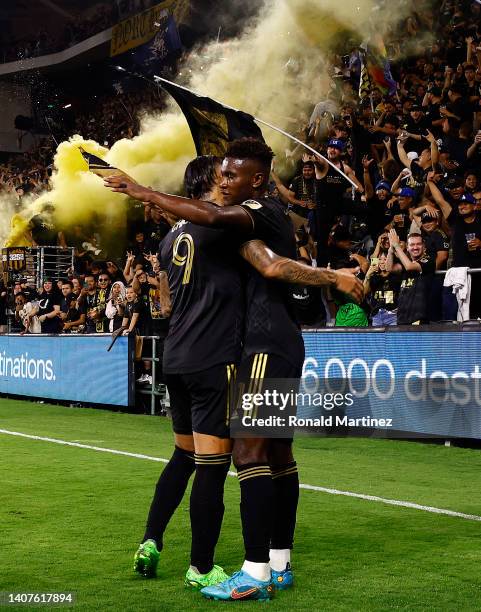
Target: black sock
(286, 496)
(207, 508)
(168, 494)
(256, 509)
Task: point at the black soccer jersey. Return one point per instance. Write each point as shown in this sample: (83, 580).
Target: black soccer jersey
(206, 322)
(271, 325)
(413, 302)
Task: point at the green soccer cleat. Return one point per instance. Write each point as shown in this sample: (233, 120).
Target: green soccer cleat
(146, 559)
(198, 581)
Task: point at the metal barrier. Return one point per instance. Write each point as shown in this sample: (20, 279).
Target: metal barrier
(470, 270)
(33, 264)
(156, 390)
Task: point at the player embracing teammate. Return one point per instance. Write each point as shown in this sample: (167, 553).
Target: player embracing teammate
(273, 348)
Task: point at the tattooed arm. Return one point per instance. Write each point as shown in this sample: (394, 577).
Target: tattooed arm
(272, 266)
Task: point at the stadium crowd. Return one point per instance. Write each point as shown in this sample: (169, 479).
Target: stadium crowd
(15, 46)
(414, 156)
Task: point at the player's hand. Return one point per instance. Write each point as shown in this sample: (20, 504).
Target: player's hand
(121, 184)
(125, 332)
(350, 285)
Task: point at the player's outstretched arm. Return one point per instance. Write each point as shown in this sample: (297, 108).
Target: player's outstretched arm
(196, 211)
(272, 266)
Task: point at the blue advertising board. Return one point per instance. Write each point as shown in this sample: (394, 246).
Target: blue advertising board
(426, 382)
(68, 367)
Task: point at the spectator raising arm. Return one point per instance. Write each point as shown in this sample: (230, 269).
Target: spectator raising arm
(395, 248)
(445, 207)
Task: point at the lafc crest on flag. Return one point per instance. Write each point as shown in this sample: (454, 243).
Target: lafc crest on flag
(212, 124)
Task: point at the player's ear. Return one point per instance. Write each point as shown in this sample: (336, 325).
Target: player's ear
(258, 180)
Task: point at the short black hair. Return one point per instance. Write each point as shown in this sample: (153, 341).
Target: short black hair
(456, 88)
(200, 176)
(251, 148)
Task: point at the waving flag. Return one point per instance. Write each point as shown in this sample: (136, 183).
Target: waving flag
(378, 67)
(212, 124)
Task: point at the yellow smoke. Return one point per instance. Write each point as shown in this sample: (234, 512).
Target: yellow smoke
(248, 73)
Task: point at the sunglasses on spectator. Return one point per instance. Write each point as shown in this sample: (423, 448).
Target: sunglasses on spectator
(103, 280)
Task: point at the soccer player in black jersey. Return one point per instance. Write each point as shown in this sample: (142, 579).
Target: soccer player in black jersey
(201, 351)
(273, 345)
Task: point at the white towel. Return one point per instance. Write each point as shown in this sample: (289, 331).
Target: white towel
(460, 281)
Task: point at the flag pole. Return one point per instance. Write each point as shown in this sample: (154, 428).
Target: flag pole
(270, 125)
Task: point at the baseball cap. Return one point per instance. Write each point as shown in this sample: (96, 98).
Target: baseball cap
(415, 107)
(412, 155)
(383, 185)
(337, 144)
(467, 197)
(407, 192)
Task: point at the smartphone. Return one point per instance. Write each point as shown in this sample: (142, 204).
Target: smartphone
(374, 261)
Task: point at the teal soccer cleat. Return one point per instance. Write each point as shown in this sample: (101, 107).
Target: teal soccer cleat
(240, 586)
(282, 580)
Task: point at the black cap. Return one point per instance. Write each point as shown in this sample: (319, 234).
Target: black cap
(454, 181)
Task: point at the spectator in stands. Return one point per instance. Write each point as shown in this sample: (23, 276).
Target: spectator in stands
(398, 215)
(49, 308)
(416, 269)
(382, 291)
(155, 228)
(26, 316)
(3, 308)
(89, 302)
(115, 308)
(43, 228)
(71, 314)
(133, 322)
(465, 224)
(301, 195)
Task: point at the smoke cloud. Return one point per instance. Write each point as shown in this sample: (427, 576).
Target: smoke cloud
(276, 69)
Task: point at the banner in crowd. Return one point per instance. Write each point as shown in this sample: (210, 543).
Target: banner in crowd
(212, 124)
(376, 69)
(424, 382)
(69, 367)
(139, 29)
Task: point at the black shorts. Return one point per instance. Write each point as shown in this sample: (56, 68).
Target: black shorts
(201, 402)
(263, 365)
(257, 374)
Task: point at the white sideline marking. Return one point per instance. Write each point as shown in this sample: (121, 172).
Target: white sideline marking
(374, 498)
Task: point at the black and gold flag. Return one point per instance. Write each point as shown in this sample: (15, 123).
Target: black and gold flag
(212, 124)
(102, 168)
(365, 82)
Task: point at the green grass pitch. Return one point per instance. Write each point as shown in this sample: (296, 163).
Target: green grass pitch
(71, 519)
